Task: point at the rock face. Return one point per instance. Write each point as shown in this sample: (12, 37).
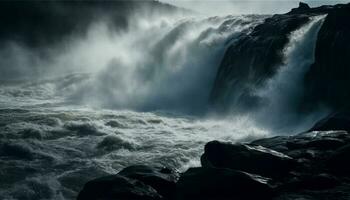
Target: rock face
(256, 57)
(221, 183)
(251, 60)
(250, 158)
(117, 187)
(163, 180)
(137, 182)
(313, 165)
(328, 78)
(336, 121)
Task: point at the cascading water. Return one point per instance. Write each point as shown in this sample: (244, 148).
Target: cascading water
(154, 65)
(282, 94)
(170, 65)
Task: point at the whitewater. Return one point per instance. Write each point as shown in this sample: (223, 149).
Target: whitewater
(135, 96)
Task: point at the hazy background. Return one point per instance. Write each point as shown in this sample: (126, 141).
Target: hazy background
(224, 7)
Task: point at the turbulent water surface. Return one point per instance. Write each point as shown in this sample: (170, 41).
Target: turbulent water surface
(58, 132)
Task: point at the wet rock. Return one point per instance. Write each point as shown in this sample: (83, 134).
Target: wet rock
(117, 187)
(160, 178)
(277, 143)
(327, 80)
(220, 184)
(254, 58)
(313, 182)
(325, 144)
(249, 158)
(321, 144)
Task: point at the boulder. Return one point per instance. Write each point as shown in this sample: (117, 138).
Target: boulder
(161, 179)
(250, 158)
(117, 187)
(302, 8)
(222, 184)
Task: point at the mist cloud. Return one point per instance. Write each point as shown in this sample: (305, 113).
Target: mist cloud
(226, 7)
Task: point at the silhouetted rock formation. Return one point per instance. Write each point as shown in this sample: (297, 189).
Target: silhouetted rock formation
(313, 165)
(256, 57)
(221, 183)
(162, 179)
(245, 157)
(118, 187)
(328, 79)
(135, 182)
(336, 121)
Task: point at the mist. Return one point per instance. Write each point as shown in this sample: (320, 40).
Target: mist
(236, 7)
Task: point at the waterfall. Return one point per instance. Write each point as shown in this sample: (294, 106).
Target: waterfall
(282, 93)
(162, 64)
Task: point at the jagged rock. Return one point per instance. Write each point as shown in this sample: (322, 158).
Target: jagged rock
(337, 121)
(277, 143)
(222, 184)
(327, 80)
(302, 8)
(249, 158)
(256, 57)
(160, 178)
(117, 187)
(251, 60)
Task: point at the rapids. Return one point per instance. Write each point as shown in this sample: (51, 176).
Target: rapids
(140, 97)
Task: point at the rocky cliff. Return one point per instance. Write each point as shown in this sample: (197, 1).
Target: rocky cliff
(256, 57)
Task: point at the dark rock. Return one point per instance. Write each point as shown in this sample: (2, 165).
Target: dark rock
(254, 58)
(325, 144)
(337, 121)
(313, 182)
(277, 143)
(339, 162)
(160, 178)
(327, 80)
(222, 184)
(117, 187)
(321, 144)
(321, 140)
(249, 158)
(302, 8)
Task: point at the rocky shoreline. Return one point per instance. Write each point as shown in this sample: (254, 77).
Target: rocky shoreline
(311, 165)
(314, 165)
